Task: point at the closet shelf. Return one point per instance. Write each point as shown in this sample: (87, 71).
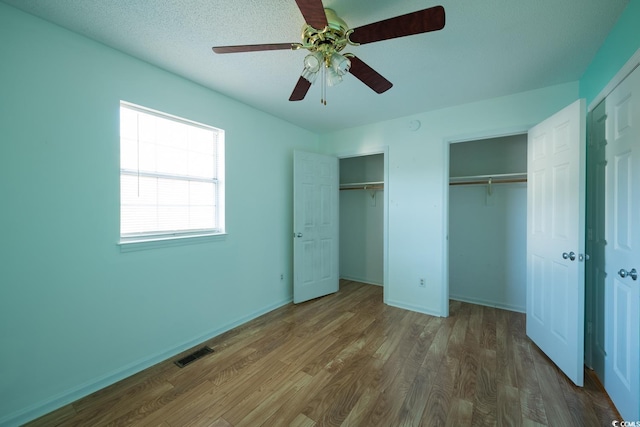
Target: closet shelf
(370, 185)
(503, 178)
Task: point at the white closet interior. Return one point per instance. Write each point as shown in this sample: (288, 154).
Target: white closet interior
(487, 222)
(361, 218)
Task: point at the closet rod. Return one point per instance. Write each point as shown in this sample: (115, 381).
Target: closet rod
(500, 181)
(364, 187)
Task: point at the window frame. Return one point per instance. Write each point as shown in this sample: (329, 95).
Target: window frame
(158, 238)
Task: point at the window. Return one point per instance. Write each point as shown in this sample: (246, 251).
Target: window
(171, 176)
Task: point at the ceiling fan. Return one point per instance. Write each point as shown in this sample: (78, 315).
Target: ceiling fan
(325, 35)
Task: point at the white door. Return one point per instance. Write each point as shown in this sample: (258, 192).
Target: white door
(622, 250)
(555, 238)
(315, 226)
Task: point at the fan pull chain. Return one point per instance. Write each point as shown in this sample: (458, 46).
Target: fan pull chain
(323, 91)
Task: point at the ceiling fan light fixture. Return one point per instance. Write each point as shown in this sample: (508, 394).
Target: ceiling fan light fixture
(310, 76)
(333, 78)
(313, 61)
(340, 64)
(312, 64)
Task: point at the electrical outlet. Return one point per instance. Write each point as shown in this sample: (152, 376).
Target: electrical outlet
(281, 277)
(422, 283)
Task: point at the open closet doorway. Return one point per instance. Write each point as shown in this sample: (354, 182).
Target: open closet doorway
(363, 218)
(488, 222)
(552, 265)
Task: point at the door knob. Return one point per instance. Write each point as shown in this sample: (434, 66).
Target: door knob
(298, 235)
(624, 273)
(570, 255)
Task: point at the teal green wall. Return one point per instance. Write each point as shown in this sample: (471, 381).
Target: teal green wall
(621, 43)
(75, 313)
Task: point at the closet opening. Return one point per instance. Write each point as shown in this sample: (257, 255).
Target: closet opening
(362, 218)
(488, 222)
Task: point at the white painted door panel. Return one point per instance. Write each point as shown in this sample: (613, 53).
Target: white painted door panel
(555, 238)
(315, 219)
(622, 250)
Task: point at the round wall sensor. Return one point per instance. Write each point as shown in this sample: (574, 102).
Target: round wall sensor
(414, 125)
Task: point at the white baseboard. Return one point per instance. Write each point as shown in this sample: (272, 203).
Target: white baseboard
(360, 280)
(489, 303)
(413, 308)
(35, 411)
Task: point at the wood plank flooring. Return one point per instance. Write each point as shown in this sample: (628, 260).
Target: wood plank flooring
(349, 360)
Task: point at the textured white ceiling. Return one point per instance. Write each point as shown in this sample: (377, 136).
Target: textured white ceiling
(488, 48)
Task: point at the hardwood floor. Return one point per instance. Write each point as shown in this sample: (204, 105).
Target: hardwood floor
(347, 359)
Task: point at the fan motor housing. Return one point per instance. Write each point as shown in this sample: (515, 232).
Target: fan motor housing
(332, 38)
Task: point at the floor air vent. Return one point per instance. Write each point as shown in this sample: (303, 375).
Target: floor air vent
(193, 356)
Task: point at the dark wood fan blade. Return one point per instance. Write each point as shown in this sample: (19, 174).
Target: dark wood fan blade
(301, 89)
(369, 76)
(422, 21)
(253, 47)
(313, 13)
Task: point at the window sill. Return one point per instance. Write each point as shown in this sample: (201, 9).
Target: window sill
(166, 242)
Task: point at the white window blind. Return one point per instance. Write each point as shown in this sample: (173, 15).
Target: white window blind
(171, 176)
